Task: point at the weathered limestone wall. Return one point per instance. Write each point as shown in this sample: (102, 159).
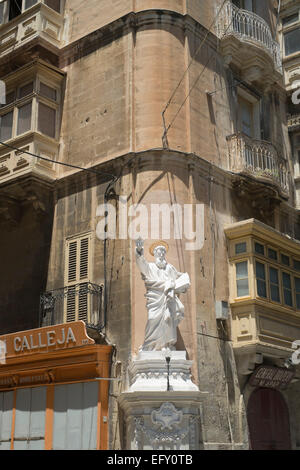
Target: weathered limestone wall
(98, 104)
(82, 22)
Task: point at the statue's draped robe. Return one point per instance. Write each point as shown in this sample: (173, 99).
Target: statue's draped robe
(164, 310)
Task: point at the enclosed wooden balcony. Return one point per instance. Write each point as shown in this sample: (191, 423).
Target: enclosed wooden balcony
(29, 133)
(264, 278)
(258, 160)
(24, 23)
(247, 43)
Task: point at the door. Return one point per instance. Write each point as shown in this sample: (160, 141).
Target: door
(268, 421)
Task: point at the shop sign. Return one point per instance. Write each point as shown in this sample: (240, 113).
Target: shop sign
(271, 377)
(48, 339)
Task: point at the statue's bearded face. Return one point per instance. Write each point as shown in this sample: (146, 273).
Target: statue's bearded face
(160, 257)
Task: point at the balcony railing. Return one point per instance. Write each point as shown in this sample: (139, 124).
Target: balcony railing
(259, 159)
(293, 121)
(249, 27)
(78, 302)
(39, 20)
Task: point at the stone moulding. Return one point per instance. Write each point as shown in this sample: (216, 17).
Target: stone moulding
(149, 372)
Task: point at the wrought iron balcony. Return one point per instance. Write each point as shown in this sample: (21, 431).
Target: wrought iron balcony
(238, 28)
(294, 122)
(258, 159)
(32, 20)
(78, 302)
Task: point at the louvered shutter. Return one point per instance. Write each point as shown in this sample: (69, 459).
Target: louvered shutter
(77, 277)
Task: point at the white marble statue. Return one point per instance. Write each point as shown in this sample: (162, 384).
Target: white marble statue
(165, 310)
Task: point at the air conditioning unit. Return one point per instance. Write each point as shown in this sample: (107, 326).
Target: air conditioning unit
(222, 310)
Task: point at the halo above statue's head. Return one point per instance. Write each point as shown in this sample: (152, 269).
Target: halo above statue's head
(156, 245)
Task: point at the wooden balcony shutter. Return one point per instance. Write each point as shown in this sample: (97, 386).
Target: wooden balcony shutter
(77, 278)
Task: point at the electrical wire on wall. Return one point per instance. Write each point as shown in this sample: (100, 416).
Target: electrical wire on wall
(209, 31)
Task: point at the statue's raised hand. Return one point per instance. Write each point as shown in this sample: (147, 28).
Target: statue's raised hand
(139, 243)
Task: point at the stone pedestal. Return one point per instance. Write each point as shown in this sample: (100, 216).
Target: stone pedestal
(157, 418)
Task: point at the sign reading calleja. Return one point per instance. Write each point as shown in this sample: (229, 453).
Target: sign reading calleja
(46, 339)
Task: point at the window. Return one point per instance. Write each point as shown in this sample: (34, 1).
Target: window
(292, 41)
(6, 122)
(259, 249)
(15, 8)
(296, 264)
(240, 248)
(30, 3)
(274, 285)
(29, 433)
(75, 416)
(246, 117)
(46, 120)
(272, 254)
(6, 407)
(31, 106)
(54, 4)
(297, 291)
(285, 260)
(242, 279)
(2, 13)
(24, 118)
(268, 271)
(245, 4)
(77, 302)
(290, 19)
(25, 90)
(287, 289)
(73, 424)
(10, 9)
(261, 280)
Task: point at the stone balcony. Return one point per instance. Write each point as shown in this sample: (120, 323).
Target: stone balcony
(259, 161)
(38, 25)
(14, 164)
(26, 180)
(247, 43)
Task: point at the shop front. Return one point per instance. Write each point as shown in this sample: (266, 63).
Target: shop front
(54, 386)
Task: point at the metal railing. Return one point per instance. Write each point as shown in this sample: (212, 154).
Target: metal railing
(293, 120)
(77, 302)
(249, 27)
(258, 158)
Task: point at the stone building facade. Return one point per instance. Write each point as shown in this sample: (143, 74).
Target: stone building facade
(148, 102)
